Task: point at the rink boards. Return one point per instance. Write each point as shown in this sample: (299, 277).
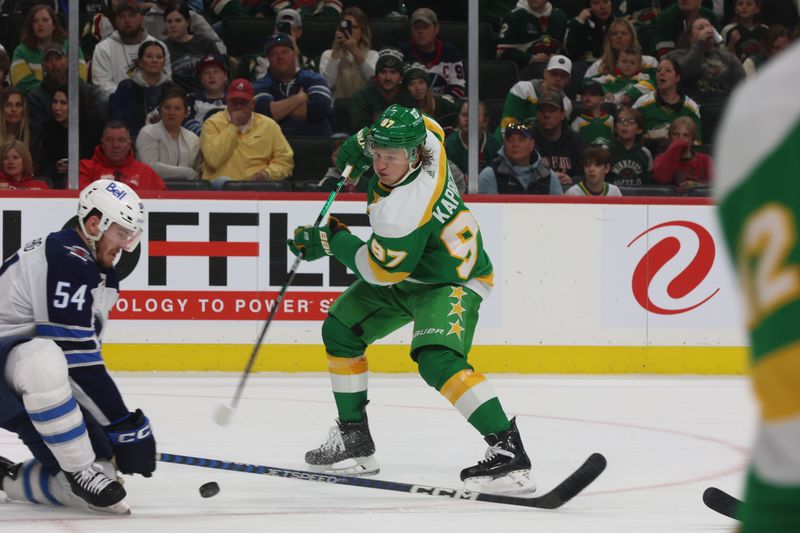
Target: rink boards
(580, 286)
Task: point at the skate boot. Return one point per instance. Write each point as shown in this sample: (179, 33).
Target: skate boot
(346, 440)
(101, 492)
(506, 469)
(8, 470)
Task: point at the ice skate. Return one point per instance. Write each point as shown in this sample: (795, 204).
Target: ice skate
(8, 469)
(348, 443)
(506, 469)
(101, 492)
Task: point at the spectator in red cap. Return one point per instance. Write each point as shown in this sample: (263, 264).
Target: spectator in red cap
(113, 159)
(242, 145)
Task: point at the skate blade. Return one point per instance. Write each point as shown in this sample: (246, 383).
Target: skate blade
(516, 483)
(120, 508)
(364, 466)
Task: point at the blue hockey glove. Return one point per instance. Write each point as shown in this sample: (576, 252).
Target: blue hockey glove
(134, 444)
(351, 152)
(314, 242)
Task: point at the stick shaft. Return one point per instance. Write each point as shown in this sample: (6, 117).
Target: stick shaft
(279, 299)
(557, 497)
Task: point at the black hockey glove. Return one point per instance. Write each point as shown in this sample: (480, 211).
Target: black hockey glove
(134, 444)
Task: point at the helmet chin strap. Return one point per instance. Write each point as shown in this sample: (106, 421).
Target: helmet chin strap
(411, 170)
(91, 241)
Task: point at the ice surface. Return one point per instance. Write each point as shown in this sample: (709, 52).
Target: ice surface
(666, 440)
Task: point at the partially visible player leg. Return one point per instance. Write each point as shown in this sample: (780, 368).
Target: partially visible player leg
(443, 329)
(362, 314)
(52, 425)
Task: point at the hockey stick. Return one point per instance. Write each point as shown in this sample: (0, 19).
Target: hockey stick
(561, 494)
(721, 502)
(224, 413)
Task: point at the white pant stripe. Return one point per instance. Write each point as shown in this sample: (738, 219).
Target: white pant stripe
(474, 398)
(349, 382)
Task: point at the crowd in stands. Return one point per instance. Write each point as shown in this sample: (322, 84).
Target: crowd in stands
(593, 98)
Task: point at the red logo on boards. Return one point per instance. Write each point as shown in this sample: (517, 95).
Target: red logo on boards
(686, 281)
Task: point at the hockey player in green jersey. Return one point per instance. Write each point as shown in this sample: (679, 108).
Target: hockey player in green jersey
(759, 206)
(423, 264)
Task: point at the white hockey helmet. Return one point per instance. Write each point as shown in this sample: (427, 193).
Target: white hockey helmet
(117, 203)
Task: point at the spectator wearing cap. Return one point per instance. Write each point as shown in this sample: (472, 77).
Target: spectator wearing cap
(186, 49)
(91, 107)
(350, 62)
(116, 57)
(518, 168)
(320, 9)
(441, 107)
(595, 125)
(41, 28)
(290, 22)
(297, 99)
(212, 72)
(441, 60)
(113, 159)
(521, 102)
(155, 24)
(136, 100)
(531, 33)
(557, 144)
(384, 90)
(242, 145)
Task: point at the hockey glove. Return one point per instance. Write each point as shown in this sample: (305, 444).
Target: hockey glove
(351, 152)
(314, 242)
(134, 444)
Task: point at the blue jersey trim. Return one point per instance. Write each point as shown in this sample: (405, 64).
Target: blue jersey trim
(55, 331)
(8, 262)
(54, 412)
(83, 358)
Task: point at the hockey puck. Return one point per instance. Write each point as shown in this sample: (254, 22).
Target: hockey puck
(209, 490)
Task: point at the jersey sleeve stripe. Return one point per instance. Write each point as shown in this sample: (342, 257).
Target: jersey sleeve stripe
(434, 127)
(441, 175)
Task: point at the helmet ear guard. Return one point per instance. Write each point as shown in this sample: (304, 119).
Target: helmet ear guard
(117, 204)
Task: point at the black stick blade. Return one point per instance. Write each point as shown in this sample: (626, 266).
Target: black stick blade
(574, 484)
(721, 502)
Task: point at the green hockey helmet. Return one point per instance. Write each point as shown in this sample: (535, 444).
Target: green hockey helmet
(398, 127)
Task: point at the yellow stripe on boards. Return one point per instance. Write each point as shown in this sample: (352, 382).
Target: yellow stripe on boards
(776, 379)
(709, 360)
(347, 365)
(460, 383)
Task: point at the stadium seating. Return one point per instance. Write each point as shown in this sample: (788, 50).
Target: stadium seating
(312, 157)
(496, 78)
(257, 186)
(187, 185)
(647, 190)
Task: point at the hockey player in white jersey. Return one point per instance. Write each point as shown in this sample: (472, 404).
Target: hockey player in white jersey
(55, 391)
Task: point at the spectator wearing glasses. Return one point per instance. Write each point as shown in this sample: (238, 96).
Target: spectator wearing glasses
(518, 168)
(631, 163)
(350, 62)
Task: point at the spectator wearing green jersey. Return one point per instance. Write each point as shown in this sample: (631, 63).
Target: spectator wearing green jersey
(595, 125)
(631, 162)
(457, 143)
(596, 163)
(531, 33)
(627, 78)
(523, 98)
(667, 103)
(424, 265)
(674, 20)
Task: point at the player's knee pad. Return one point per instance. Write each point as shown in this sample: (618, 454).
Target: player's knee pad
(340, 340)
(40, 367)
(437, 364)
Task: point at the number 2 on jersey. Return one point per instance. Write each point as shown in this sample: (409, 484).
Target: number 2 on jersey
(460, 236)
(63, 299)
(770, 281)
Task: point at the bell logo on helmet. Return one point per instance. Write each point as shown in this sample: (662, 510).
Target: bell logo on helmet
(116, 191)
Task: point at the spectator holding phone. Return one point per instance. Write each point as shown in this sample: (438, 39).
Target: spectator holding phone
(350, 62)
